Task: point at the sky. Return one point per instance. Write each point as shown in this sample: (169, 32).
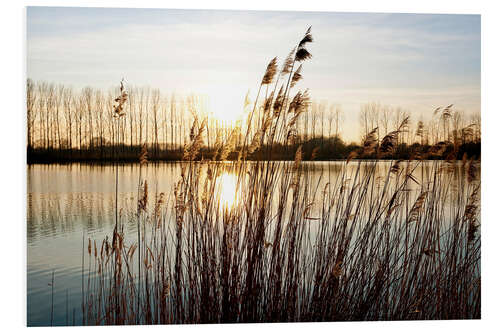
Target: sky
(414, 61)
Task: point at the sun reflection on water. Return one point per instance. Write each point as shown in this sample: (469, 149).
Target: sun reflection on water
(227, 190)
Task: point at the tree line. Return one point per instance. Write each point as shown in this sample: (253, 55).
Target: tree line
(64, 124)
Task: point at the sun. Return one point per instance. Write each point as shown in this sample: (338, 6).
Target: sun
(227, 104)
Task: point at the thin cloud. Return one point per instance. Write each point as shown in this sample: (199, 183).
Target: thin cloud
(412, 60)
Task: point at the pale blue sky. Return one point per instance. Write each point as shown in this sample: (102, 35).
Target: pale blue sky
(415, 61)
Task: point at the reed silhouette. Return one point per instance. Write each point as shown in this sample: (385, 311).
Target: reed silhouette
(372, 250)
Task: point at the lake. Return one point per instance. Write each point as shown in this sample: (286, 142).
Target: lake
(67, 204)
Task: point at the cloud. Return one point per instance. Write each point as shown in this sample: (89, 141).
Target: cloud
(416, 61)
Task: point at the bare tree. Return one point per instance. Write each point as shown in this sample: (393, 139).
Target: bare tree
(30, 111)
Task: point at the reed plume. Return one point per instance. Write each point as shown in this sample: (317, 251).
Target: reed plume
(270, 72)
(288, 63)
(120, 100)
(302, 53)
(296, 77)
(417, 207)
(143, 157)
(370, 142)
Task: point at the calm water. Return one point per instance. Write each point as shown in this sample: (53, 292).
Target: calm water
(67, 204)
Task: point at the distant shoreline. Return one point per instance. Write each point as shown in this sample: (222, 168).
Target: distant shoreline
(310, 152)
(158, 161)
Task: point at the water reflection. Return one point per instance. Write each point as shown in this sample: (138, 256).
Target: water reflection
(69, 203)
(227, 190)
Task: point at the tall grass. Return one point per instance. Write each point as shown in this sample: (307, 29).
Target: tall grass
(283, 249)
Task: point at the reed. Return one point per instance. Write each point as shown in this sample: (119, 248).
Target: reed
(404, 247)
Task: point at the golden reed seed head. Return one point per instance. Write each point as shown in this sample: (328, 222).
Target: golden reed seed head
(287, 64)
(270, 72)
(296, 77)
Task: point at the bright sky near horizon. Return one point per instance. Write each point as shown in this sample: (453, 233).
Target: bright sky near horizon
(415, 61)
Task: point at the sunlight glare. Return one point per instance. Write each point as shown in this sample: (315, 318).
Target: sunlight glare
(227, 196)
(227, 104)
